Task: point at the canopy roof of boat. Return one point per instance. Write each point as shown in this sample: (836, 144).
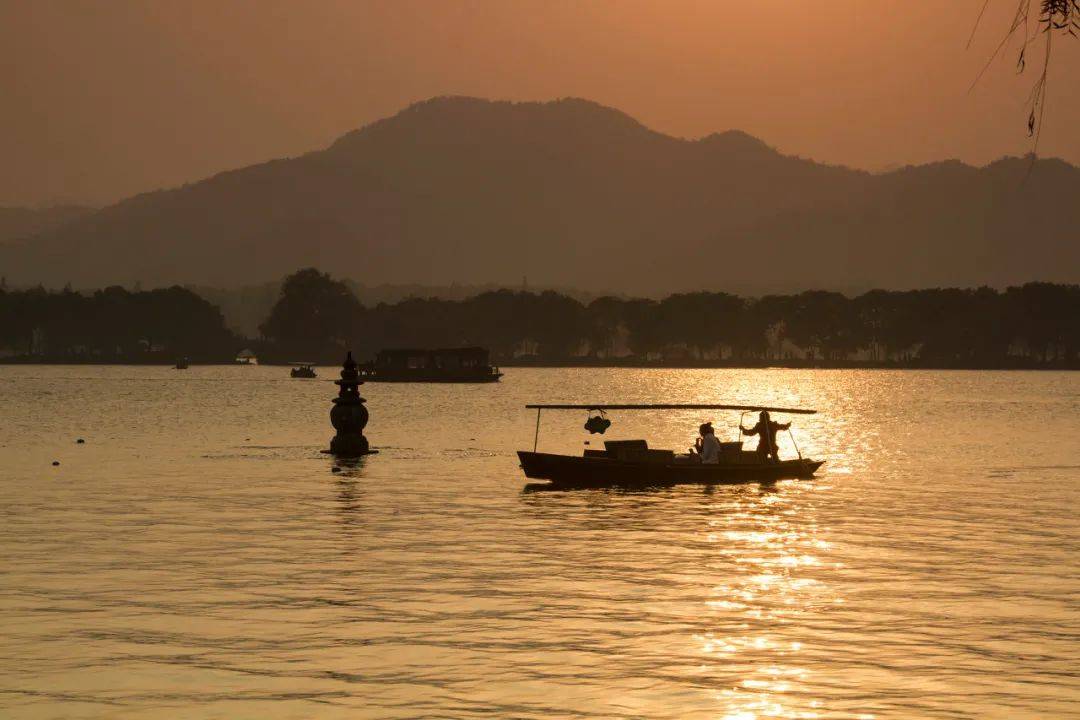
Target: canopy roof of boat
(618, 406)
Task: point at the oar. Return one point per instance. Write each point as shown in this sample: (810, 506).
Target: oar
(792, 436)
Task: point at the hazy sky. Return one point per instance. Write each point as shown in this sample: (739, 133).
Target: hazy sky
(108, 98)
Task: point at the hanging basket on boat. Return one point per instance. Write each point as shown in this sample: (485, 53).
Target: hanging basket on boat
(597, 423)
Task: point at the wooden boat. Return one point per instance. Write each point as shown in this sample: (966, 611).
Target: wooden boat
(302, 370)
(450, 365)
(613, 470)
(631, 463)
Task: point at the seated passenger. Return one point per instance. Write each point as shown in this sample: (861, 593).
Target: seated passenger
(707, 447)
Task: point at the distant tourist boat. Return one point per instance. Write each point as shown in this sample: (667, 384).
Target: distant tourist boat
(632, 463)
(448, 365)
(303, 370)
(246, 357)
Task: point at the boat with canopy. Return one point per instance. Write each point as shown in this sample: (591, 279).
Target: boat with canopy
(630, 463)
(302, 370)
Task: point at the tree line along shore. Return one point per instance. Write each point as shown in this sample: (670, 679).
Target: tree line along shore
(316, 317)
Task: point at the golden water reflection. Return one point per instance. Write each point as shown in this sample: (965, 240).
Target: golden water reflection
(774, 575)
(201, 558)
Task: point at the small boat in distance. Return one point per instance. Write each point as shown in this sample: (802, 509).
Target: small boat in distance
(302, 370)
(632, 463)
(448, 365)
(246, 357)
(181, 364)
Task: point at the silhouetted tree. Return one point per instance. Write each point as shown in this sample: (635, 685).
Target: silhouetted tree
(1045, 317)
(315, 315)
(557, 323)
(643, 323)
(605, 319)
(825, 323)
(113, 325)
(498, 320)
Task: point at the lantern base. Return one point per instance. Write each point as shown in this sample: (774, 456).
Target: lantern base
(349, 446)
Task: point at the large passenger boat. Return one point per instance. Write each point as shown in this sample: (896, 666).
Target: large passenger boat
(447, 365)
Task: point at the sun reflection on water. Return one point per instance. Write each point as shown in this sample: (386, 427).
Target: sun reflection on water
(156, 577)
(775, 572)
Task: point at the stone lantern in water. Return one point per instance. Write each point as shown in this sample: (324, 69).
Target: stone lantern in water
(349, 416)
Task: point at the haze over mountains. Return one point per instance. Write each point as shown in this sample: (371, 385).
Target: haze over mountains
(571, 193)
(18, 222)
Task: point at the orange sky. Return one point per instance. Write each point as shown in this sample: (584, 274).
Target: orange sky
(105, 99)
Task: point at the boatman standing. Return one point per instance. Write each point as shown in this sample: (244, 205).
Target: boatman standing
(707, 446)
(766, 429)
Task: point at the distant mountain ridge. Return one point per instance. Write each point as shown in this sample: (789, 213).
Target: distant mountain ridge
(571, 193)
(21, 222)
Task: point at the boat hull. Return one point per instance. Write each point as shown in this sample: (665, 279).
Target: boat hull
(428, 377)
(571, 471)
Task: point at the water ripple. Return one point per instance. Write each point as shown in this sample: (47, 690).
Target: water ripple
(197, 557)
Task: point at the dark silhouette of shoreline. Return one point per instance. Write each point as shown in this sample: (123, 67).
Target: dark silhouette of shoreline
(113, 325)
(1034, 325)
(317, 317)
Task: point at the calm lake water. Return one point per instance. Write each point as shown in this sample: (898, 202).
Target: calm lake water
(197, 558)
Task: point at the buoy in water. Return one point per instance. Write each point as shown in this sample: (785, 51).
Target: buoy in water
(55, 463)
(80, 441)
(335, 469)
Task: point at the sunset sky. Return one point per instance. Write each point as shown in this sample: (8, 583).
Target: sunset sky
(105, 99)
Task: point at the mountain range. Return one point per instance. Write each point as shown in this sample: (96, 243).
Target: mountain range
(572, 193)
(18, 222)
